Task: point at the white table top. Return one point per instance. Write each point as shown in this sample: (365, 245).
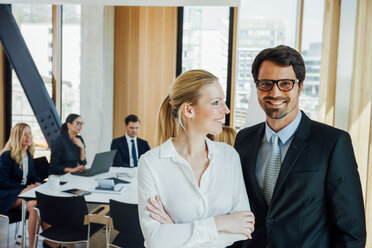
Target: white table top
(88, 183)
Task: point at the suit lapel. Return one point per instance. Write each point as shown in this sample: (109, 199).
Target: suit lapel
(126, 155)
(296, 148)
(252, 164)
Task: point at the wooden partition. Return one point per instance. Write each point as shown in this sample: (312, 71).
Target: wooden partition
(328, 69)
(145, 64)
(360, 121)
(2, 98)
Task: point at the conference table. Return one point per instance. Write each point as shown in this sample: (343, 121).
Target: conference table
(69, 181)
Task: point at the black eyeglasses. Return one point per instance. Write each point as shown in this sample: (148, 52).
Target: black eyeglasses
(283, 84)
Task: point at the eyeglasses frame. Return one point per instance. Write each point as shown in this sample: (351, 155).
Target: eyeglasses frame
(276, 82)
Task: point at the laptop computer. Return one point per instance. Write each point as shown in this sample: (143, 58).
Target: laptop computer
(101, 163)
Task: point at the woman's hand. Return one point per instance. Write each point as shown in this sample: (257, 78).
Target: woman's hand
(30, 186)
(77, 168)
(237, 222)
(78, 142)
(158, 212)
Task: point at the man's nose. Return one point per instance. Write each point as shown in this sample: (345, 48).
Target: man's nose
(275, 91)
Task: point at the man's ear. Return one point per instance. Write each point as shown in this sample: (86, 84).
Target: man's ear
(301, 88)
(187, 110)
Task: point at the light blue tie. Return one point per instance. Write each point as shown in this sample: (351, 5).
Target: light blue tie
(272, 169)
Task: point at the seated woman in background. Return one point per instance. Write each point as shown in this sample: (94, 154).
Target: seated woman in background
(227, 136)
(200, 182)
(68, 150)
(17, 175)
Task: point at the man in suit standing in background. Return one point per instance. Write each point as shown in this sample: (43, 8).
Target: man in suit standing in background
(129, 146)
(301, 176)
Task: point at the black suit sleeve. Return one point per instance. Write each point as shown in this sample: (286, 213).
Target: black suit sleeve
(6, 179)
(82, 162)
(118, 160)
(344, 196)
(147, 147)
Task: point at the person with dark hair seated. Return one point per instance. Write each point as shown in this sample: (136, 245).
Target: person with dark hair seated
(17, 175)
(68, 150)
(130, 147)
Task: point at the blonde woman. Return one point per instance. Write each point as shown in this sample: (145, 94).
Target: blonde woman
(17, 174)
(190, 189)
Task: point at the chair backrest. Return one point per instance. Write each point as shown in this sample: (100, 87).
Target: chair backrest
(62, 211)
(41, 167)
(125, 217)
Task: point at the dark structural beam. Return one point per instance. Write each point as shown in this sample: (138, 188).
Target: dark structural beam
(21, 60)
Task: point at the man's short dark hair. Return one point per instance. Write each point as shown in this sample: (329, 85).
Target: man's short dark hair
(283, 55)
(131, 118)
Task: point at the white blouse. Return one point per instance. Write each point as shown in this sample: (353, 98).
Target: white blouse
(162, 171)
(24, 169)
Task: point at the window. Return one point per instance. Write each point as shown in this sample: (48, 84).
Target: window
(71, 60)
(35, 23)
(312, 52)
(205, 40)
(259, 27)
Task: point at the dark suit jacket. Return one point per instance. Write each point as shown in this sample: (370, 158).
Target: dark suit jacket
(122, 156)
(65, 154)
(317, 200)
(11, 178)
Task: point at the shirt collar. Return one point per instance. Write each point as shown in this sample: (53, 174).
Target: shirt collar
(286, 133)
(129, 138)
(167, 149)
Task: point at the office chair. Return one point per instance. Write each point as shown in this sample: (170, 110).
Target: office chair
(12, 216)
(124, 218)
(67, 217)
(41, 166)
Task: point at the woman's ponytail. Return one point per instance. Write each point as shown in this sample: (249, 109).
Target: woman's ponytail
(166, 127)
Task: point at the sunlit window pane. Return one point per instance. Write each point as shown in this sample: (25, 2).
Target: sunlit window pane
(262, 24)
(71, 60)
(311, 52)
(205, 40)
(35, 23)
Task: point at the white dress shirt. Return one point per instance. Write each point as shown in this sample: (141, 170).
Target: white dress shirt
(162, 171)
(129, 142)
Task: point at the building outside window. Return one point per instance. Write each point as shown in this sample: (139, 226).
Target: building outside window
(35, 23)
(260, 27)
(71, 41)
(205, 40)
(312, 52)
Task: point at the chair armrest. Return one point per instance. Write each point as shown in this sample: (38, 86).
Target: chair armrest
(97, 215)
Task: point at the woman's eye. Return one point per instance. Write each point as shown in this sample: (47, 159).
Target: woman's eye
(215, 103)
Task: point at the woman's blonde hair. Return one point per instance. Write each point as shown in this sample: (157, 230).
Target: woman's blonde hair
(14, 144)
(186, 89)
(227, 136)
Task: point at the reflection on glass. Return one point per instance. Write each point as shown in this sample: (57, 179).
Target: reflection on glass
(311, 52)
(70, 60)
(35, 23)
(261, 24)
(205, 40)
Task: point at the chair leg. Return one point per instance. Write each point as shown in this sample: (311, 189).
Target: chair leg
(88, 235)
(38, 223)
(16, 230)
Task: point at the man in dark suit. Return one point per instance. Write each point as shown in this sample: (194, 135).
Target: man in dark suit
(129, 146)
(301, 176)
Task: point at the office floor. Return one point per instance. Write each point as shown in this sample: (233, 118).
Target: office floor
(98, 240)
